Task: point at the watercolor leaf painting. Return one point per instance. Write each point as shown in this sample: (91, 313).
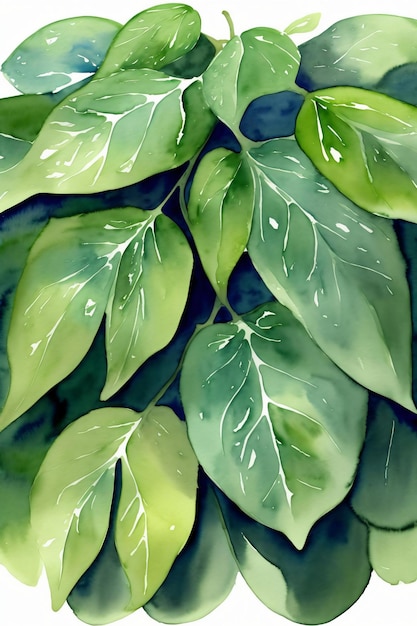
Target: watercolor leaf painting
(208, 313)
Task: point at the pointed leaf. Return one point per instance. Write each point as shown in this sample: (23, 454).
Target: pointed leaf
(365, 144)
(311, 586)
(338, 268)
(183, 596)
(148, 299)
(261, 61)
(220, 210)
(383, 493)
(393, 554)
(273, 421)
(154, 38)
(157, 503)
(61, 299)
(60, 54)
(113, 132)
(304, 24)
(357, 51)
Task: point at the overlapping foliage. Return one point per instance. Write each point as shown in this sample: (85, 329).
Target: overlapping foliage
(206, 338)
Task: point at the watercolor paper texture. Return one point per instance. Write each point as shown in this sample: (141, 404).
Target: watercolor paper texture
(208, 309)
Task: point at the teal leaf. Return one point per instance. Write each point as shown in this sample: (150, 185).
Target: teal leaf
(357, 51)
(72, 272)
(309, 586)
(338, 268)
(383, 493)
(274, 423)
(60, 54)
(87, 144)
(304, 24)
(400, 83)
(185, 596)
(153, 38)
(393, 554)
(73, 492)
(365, 144)
(148, 299)
(220, 210)
(259, 62)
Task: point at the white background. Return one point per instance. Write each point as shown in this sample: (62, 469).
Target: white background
(381, 604)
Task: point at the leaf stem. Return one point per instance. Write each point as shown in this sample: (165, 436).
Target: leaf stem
(230, 24)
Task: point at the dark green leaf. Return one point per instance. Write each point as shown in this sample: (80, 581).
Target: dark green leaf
(259, 62)
(194, 62)
(148, 298)
(386, 483)
(304, 24)
(273, 421)
(393, 554)
(154, 38)
(60, 54)
(400, 83)
(113, 132)
(203, 574)
(338, 268)
(311, 586)
(357, 51)
(73, 491)
(365, 144)
(220, 211)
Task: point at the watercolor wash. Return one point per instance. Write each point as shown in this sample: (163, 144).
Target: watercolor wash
(208, 269)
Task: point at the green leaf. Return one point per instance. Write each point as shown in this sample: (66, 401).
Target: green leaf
(311, 586)
(338, 268)
(357, 51)
(148, 298)
(393, 554)
(261, 61)
(304, 24)
(88, 145)
(273, 421)
(365, 144)
(194, 62)
(383, 493)
(220, 213)
(73, 492)
(153, 38)
(21, 119)
(185, 596)
(74, 273)
(59, 54)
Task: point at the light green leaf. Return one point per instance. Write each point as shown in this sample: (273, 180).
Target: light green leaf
(154, 38)
(148, 298)
(157, 503)
(273, 421)
(61, 299)
(73, 492)
(357, 51)
(304, 24)
(60, 54)
(393, 554)
(261, 61)
(365, 144)
(220, 212)
(338, 268)
(113, 132)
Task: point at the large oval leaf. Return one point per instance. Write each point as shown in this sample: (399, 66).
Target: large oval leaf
(113, 132)
(386, 483)
(365, 144)
(259, 62)
(220, 212)
(273, 421)
(60, 54)
(185, 596)
(338, 268)
(357, 51)
(393, 554)
(154, 38)
(311, 586)
(73, 492)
